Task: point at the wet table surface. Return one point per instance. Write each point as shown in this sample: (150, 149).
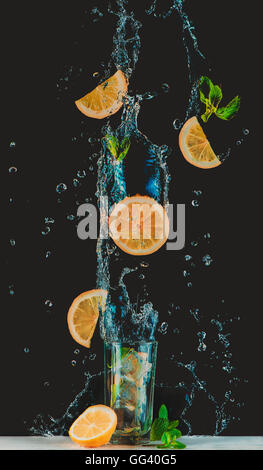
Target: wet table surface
(192, 442)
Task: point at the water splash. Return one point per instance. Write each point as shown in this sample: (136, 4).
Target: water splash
(124, 314)
(214, 344)
(111, 182)
(126, 49)
(51, 426)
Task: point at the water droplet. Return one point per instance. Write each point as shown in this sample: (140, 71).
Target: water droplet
(177, 124)
(201, 334)
(61, 187)
(11, 200)
(207, 236)
(194, 243)
(202, 346)
(48, 303)
(187, 257)
(238, 142)
(141, 276)
(47, 255)
(144, 264)
(195, 203)
(227, 367)
(12, 144)
(26, 350)
(163, 328)
(149, 95)
(49, 220)
(76, 351)
(46, 384)
(95, 74)
(164, 149)
(189, 284)
(207, 260)
(73, 363)
(45, 231)
(92, 356)
(81, 173)
(70, 217)
(186, 273)
(12, 170)
(91, 168)
(12, 242)
(96, 11)
(76, 182)
(11, 289)
(197, 192)
(165, 87)
(245, 131)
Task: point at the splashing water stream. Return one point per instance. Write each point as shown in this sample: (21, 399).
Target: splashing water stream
(124, 315)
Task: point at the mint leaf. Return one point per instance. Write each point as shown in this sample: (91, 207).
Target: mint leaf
(173, 424)
(169, 441)
(207, 114)
(174, 433)
(229, 111)
(163, 412)
(115, 390)
(125, 351)
(159, 426)
(213, 100)
(215, 96)
(166, 431)
(124, 148)
(205, 80)
(166, 438)
(117, 150)
(112, 144)
(203, 99)
(179, 445)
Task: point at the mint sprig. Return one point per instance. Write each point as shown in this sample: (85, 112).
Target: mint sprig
(163, 412)
(169, 440)
(117, 149)
(213, 100)
(159, 426)
(166, 431)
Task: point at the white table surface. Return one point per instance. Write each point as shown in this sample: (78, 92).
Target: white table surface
(192, 442)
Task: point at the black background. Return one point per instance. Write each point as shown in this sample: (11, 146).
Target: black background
(40, 45)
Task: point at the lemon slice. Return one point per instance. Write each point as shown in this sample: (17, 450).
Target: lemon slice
(94, 427)
(106, 98)
(195, 146)
(84, 313)
(139, 225)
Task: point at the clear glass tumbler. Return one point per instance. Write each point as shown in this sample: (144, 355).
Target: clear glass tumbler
(129, 387)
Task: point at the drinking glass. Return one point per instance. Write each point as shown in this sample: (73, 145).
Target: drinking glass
(129, 387)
